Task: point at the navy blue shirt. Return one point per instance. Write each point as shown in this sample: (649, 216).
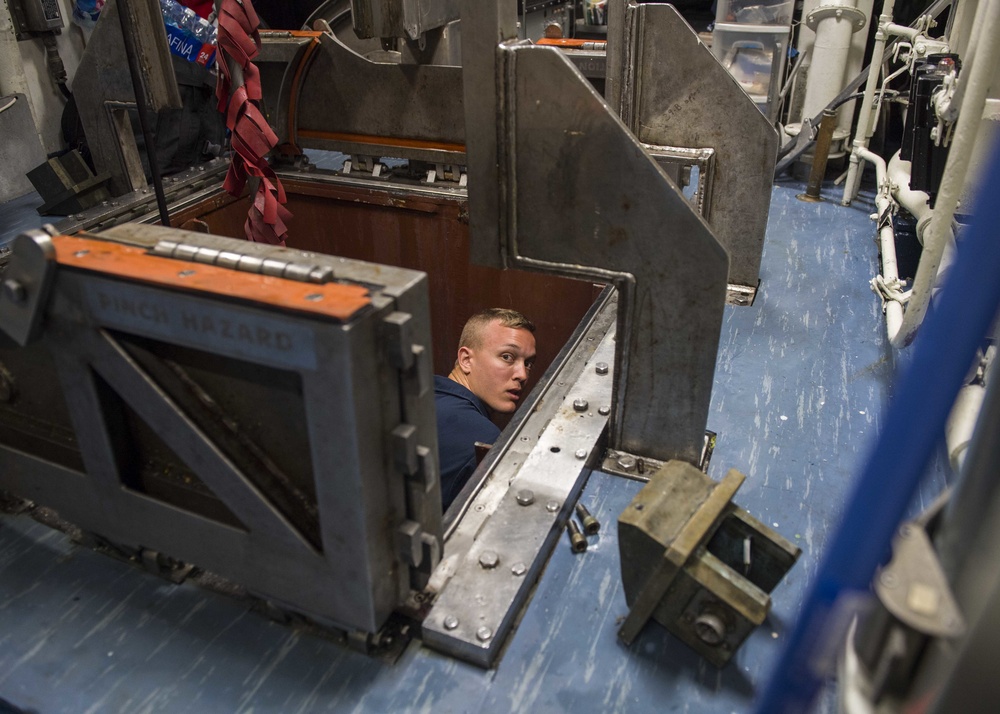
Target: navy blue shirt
(462, 420)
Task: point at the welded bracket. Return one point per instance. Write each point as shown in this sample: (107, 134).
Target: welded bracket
(696, 563)
(649, 42)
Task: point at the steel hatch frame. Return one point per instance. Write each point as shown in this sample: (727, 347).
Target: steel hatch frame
(368, 414)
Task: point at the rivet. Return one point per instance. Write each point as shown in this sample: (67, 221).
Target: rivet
(626, 462)
(483, 634)
(525, 497)
(552, 506)
(80, 253)
(314, 297)
(519, 569)
(450, 622)
(604, 411)
(601, 367)
(581, 454)
(580, 405)
(185, 273)
(489, 559)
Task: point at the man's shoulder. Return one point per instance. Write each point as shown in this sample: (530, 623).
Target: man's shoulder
(449, 389)
(458, 407)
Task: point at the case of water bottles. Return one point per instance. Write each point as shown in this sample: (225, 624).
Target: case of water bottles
(188, 35)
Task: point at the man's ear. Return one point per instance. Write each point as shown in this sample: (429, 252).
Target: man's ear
(465, 360)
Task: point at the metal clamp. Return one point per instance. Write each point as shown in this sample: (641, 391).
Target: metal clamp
(717, 564)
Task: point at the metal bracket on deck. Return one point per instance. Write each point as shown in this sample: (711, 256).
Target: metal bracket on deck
(696, 563)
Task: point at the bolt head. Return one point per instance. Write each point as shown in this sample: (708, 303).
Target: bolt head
(483, 634)
(710, 629)
(604, 411)
(489, 559)
(525, 497)
(580, 405)
(626, 462)
(450, 622)
(581, 454)
(519, 569)
(601, 367)
(552, 506)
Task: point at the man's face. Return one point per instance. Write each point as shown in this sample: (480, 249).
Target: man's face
(498, 369)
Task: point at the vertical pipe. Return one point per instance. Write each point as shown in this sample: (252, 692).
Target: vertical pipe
(914, 421)
(865, 118)
(829, 57)
(821, 154)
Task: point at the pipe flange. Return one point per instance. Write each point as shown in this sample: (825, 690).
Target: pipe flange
(853, 15)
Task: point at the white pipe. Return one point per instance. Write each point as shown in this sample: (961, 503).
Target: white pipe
(961, 424)
(829, 57)
(980, 76)
(918, 204)
(910, 33)
(887, 238)
(865, 118)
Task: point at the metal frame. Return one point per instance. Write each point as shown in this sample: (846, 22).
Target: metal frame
(565, 211)
(668, 87)
(416, 114)
(401, 18)
(521, 499)
(368, 411)
(103, 87)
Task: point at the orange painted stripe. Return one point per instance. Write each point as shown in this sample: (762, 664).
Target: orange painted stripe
(568, 43)
(293, 33)
(293, 100)
(335, 300)
(381, 140)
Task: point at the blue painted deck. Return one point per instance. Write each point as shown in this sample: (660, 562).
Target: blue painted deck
(801, 381)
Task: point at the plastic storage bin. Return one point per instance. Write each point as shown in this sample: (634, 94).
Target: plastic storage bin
(755, 12)
(755, 56)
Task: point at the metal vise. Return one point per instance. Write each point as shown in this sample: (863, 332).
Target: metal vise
(696, 563)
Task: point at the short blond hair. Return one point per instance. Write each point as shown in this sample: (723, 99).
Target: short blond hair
(472, 333)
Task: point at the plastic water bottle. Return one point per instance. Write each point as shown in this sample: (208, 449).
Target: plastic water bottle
(86, 12)
(192, 37)
(173, 12)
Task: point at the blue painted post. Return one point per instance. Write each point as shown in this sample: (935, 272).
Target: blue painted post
(914, 423)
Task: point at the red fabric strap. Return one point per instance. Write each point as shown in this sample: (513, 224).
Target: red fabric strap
(251, 136)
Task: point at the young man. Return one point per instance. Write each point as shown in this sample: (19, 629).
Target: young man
(495, 355)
